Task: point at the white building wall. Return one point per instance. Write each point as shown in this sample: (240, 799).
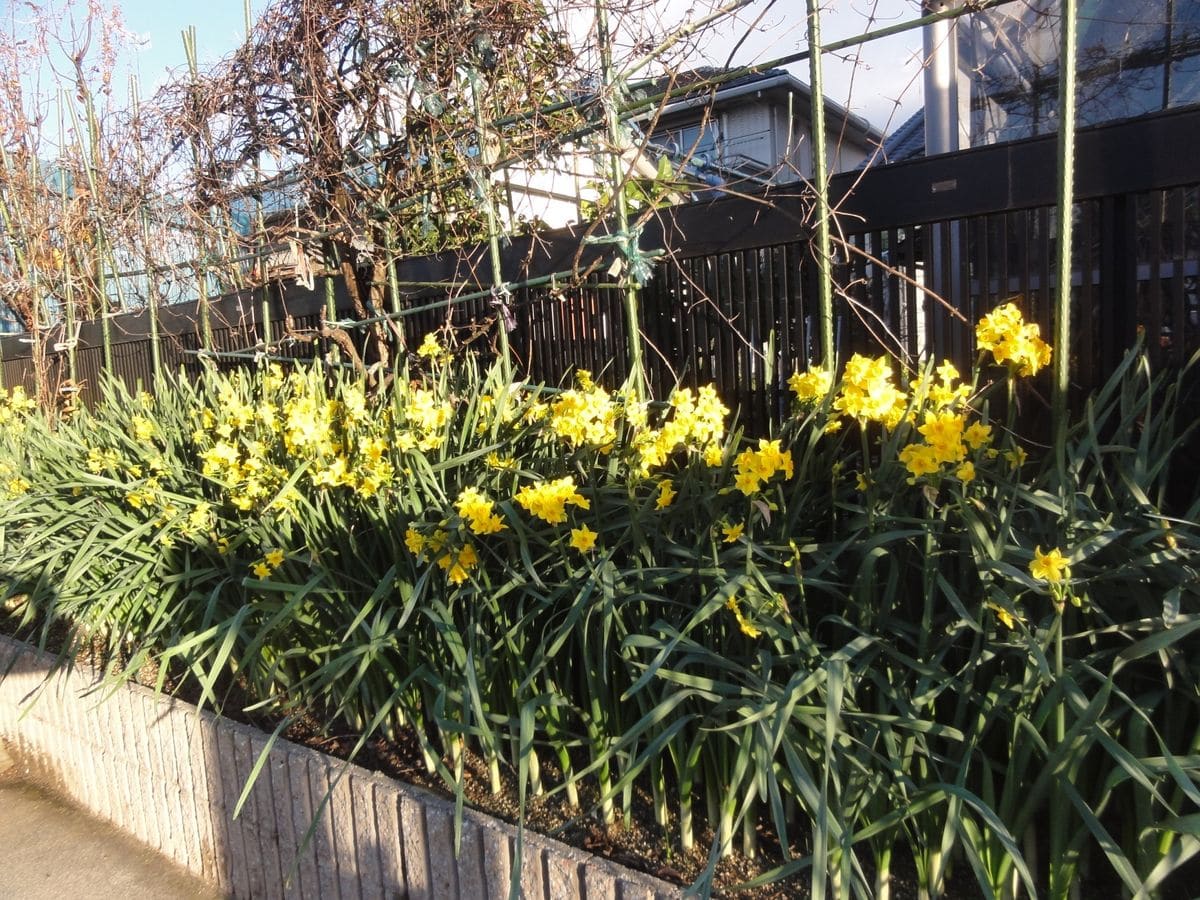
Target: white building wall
(548, 189)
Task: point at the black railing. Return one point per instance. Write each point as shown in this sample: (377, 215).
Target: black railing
(730, 302)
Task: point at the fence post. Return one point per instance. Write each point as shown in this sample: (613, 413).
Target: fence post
(820, 184)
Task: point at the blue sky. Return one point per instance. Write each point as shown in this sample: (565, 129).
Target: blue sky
(883, 85)
(220, 27)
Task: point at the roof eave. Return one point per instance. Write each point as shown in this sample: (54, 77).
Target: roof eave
(785, 81)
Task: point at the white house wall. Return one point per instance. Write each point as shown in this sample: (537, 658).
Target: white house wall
(549, 190)
(841, 154)
(748, 133)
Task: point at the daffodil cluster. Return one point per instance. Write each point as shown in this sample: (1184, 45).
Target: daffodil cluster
(811, 386)
(548, 500)
(869, 392)
(269, 563)
(478, 512)
(756, 467)
(15, 408)
(585, 416)
(1013, 341)
(430, 347)
(13, 483)
(452, 552)
(942, 388)
(745, 625)
(948, 442)
(693, 423)
(256, 436)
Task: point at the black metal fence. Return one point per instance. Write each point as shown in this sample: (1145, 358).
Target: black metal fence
(732, 300)
(978, 227)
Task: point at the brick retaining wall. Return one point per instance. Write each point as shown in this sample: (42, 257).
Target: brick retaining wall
(170, 775)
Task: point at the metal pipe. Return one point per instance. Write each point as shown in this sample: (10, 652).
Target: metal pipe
(941, 82)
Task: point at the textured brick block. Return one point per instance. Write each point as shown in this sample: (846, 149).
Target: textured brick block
(472, 878)
(633, 889)
(73, 751)
(340, 814)
(563, 867)
(274, 847)
(412, 837)
(496, 843)
(173, 733)
(159, 773)
(439, 837)
(306, 882)
(248, 817)
(208, 810)
(323, 840)
(366, 834)
(126, 815)
(102, 791)
(131, 728)
(533, 881)
(387, 828)
(599, 882)
(219, 768)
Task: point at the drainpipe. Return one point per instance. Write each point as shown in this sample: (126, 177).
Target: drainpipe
(941, 82)
(942, 135)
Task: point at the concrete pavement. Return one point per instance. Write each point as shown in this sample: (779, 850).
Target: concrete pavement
(51, 851)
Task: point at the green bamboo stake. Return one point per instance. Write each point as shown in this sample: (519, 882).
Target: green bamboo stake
(151, 293)
(101, 275)
(389, 239)
(152, 310)
(1063, 860)
(201, 268)
(820, 184)
(335, 353)
(637, 372)
(265, 314)
(72, 368)
(1066, 193)
(68, 286)
(401, 343)
(102, 288)
(265, 307)
(202, 303)
(482, 179)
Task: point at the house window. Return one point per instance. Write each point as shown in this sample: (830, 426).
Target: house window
(1135, 57)
(700, 142)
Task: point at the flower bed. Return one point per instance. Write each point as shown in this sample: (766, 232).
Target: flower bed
(847, 633)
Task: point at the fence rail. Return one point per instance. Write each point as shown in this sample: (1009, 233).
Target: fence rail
(732, 298)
